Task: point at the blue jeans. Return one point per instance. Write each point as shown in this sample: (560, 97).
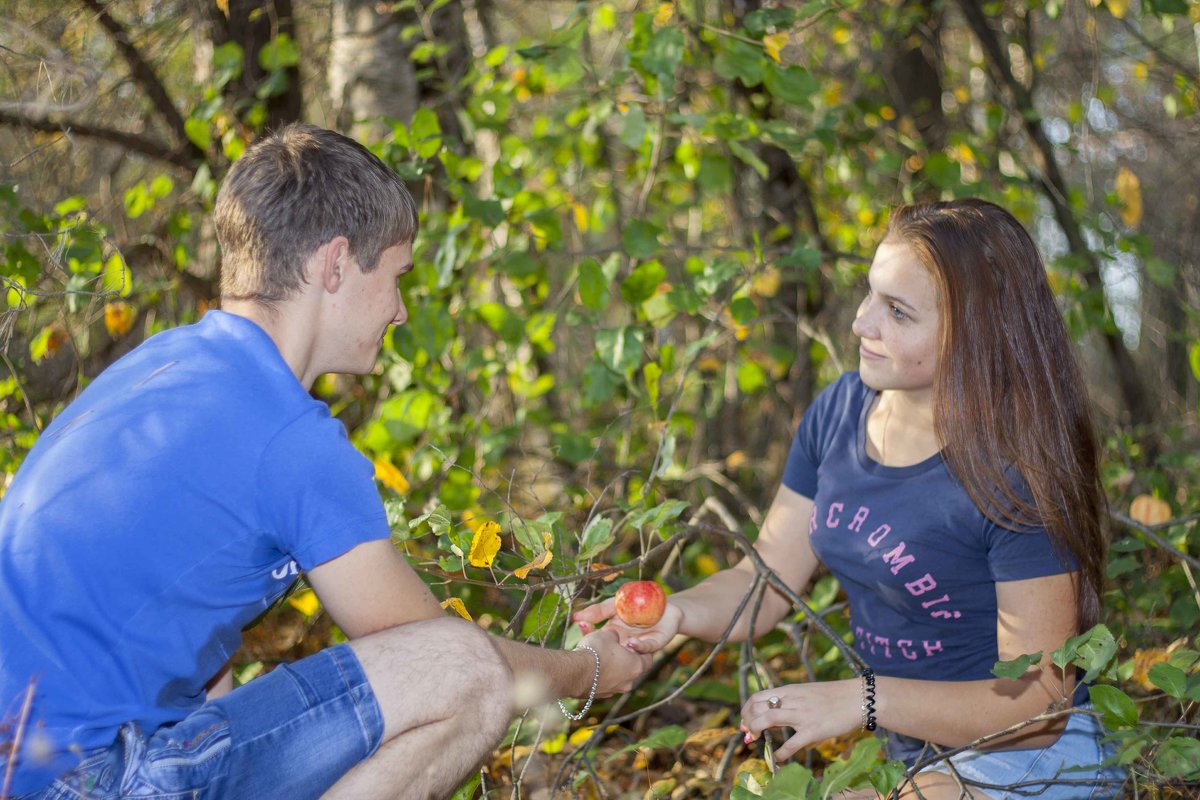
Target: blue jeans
(1069, 769)
(291, 733)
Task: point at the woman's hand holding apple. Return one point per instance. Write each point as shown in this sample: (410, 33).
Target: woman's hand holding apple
(639, 603)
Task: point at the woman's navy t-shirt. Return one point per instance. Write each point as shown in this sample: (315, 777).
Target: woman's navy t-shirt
(918, 561)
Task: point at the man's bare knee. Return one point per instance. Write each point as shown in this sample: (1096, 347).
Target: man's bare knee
(434, 671)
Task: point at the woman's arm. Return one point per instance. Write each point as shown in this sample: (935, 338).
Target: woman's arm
(1033, 615)
(705, 610)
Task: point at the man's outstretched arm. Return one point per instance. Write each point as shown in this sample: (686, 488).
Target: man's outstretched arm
(372, 588)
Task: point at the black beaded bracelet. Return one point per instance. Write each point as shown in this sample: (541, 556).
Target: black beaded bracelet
(868, 704)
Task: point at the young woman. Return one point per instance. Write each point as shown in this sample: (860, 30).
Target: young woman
(951, 485)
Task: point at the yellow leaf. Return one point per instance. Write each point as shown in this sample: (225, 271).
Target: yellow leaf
(711, 736)
(767, 282)
(710, 364)
(1129, 192)
(580, 212)
(485, 544)
(1118, 8)
(664, 14)
(1150, 510)
(775, 42)
(555, 744)
(118, 318)
(387, 474)
(887, 112)
(473, 519)
(582, 735)
(707, 565)
(305, 602)
(1141, 70)
(538, 563)
(736, 459)
(223, 7)
(457, 606)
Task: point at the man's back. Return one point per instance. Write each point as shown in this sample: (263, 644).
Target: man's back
(161, 512)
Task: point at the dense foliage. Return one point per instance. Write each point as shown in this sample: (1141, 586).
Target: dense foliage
(645, 227)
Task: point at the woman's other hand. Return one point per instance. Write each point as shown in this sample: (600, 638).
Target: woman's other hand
(816, 711)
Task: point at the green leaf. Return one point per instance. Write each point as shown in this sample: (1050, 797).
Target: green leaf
(1093, 650)
(641, 238)
(1170, 679)
(489, 212)
(1178, 757)
(740, 60)
(643, 282)
(633, 129)
(669, 737)
(793, 85)
(597, 537)
(503, 321)
(743, 310)
(40, 345)
(546, 616)
(749, 157)
(663, 54)
(116, 276)
(790, 782)
(843, 774)
(620, 349)
(425, 133)
(1015, 668)
(887, 776)
(658, 516)
(137, 200)
(593, 285)
(751, 377)
(1161, 273)
(600, 384)
(651, 373)
(1116, 708)
(227, 63)
(467, 790)
(279, 53)
(439, 521)
(1194, 358)
(197, 132)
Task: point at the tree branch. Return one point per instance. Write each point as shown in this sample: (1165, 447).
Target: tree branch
(144, 74)
(138, 144)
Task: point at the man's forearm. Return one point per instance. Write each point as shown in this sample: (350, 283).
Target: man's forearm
(541, 675)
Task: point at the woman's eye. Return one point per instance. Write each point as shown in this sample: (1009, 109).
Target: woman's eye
(897, 314)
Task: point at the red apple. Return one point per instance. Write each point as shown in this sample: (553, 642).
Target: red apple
(641, 603)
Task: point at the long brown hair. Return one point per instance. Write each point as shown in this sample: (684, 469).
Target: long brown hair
(1009, 393)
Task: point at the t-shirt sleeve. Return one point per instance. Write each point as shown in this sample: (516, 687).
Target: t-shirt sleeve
(1017, 555)
(813, 435)
(318, 492)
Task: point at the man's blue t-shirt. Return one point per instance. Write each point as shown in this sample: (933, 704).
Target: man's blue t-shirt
(161, 512)
(918, 561)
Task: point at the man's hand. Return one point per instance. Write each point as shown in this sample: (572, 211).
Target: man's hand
(619, 665)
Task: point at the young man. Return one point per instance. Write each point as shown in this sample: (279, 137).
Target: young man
(180, 494)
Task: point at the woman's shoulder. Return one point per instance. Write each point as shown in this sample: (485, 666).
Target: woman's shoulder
(845, 393)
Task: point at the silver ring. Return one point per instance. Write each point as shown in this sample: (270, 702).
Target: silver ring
(774, 702)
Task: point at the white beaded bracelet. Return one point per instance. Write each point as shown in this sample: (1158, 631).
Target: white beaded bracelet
(591, 694)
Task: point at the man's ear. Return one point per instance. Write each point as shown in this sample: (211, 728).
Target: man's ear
(332, 259)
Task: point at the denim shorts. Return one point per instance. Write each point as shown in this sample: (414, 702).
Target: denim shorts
(291, 733)
(1070, 769)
